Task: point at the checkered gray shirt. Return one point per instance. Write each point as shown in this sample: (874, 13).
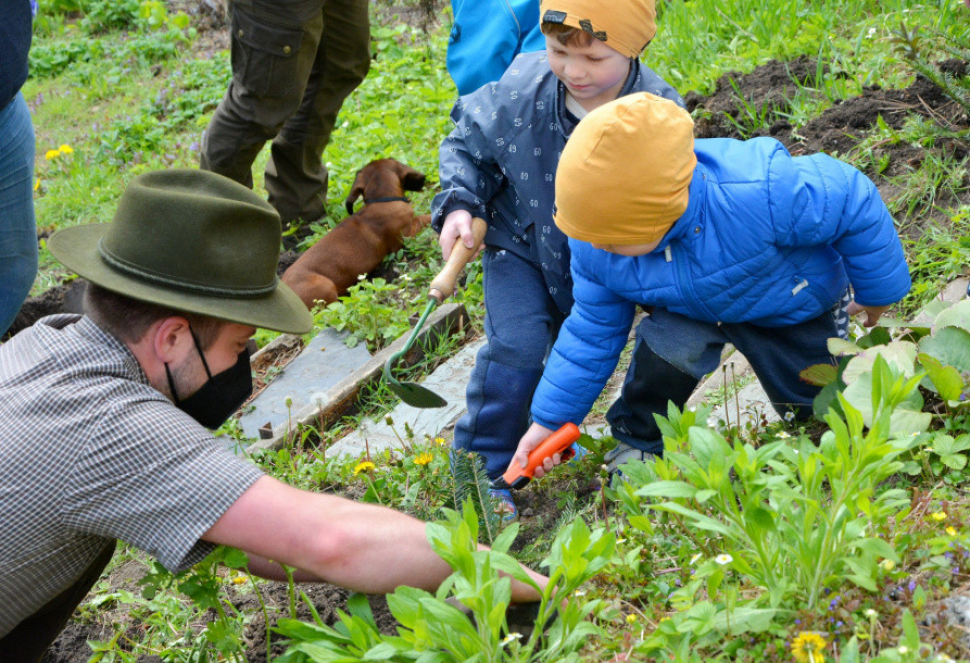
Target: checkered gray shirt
(90, 452)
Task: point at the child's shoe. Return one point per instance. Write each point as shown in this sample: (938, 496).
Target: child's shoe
(503, 504)
(623, 453)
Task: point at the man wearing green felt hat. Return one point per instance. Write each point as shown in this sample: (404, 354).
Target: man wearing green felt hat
(104, 418)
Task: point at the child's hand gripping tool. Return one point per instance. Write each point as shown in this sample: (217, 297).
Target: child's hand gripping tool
(559, 442)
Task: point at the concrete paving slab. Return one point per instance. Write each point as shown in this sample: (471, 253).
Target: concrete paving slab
(324, 362)
(448, 380)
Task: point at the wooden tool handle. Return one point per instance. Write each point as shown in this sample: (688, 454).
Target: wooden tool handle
(558, 442)
(443, 285)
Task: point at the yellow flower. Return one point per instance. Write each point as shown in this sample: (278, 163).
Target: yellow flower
(808, 647)
(887, 564)
(631, 619)
(423, 459)
(951, 530)
(36, 184)
(440, 441)
(52, 154)
(366, 466)
(239, 580)
(938, 516)
(66, 149)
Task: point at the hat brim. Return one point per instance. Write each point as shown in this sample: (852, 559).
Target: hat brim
(77, 249)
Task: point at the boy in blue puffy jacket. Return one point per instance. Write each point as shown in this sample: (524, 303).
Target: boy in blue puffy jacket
(724, 241)
(499, 163)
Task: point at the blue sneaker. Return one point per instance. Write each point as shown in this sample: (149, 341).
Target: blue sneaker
(578, 452)
(503, 504)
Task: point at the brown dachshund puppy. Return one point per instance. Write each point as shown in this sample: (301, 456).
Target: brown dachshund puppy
(359, 243)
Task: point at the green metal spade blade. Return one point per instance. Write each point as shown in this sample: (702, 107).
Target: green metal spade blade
(413, 394)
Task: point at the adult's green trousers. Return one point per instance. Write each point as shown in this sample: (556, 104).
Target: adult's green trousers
(293, 64)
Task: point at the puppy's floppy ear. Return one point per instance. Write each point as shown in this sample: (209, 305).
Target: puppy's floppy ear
(356, 191)
(411, 180)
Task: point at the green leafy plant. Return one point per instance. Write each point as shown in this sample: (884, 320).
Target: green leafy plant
(809, 522)
(434, 629)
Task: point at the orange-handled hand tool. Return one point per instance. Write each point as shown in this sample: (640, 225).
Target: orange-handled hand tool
(559, 442)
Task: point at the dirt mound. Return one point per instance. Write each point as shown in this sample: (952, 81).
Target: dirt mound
(759, 103)
(740, 99)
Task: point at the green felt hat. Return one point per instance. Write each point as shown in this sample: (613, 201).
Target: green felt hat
(193, 241)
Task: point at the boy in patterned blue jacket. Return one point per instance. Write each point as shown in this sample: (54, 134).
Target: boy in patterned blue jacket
(499, 163)
(723, 241)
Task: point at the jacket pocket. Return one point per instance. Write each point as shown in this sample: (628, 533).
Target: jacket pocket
(262, 56)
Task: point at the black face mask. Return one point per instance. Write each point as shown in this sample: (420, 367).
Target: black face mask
(221, 395)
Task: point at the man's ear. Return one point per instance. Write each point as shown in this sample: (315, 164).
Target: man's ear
(171, 339)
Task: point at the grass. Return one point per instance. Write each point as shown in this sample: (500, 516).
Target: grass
(123, 85)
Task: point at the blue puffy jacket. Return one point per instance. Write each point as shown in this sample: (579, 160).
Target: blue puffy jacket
(500, 161)
(767, 239)
(487, 35)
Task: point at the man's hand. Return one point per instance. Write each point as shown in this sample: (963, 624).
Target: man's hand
(532, 439)
(457, 225)
(873, 313)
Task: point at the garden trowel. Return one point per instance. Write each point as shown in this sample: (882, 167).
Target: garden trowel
(442, 286)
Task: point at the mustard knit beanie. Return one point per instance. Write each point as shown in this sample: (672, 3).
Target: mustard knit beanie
(625, 173)
(626, 26)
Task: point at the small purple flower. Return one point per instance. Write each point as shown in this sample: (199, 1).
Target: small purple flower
(798, 621)
(912, 585)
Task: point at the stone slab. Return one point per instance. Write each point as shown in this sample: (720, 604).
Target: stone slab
(327, 406)
(448, 381)
(325, 361)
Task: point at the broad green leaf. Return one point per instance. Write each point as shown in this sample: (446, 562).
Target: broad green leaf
(877, 547)
(838, 347)
(951, 346)
(744, 620)
(863, 581)
(901, 356)
(668, 489)
(944, 380)
(820, 374)
(957, 315)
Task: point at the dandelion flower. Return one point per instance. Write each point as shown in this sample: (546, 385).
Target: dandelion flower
(951, 530)
(938, 516)
(239, 580)
(440, 441)
(423, 459)
(631, 619)
(51, 154)
(887, 565)
(808, 647)
(66, 149)
(366, 466)
(723, 559)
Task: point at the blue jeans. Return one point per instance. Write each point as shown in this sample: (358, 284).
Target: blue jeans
(18, 230)
(673, 353)
(521, 323)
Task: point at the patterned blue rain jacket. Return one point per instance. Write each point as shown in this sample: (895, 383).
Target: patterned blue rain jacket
(766, 239)
(500, 161)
